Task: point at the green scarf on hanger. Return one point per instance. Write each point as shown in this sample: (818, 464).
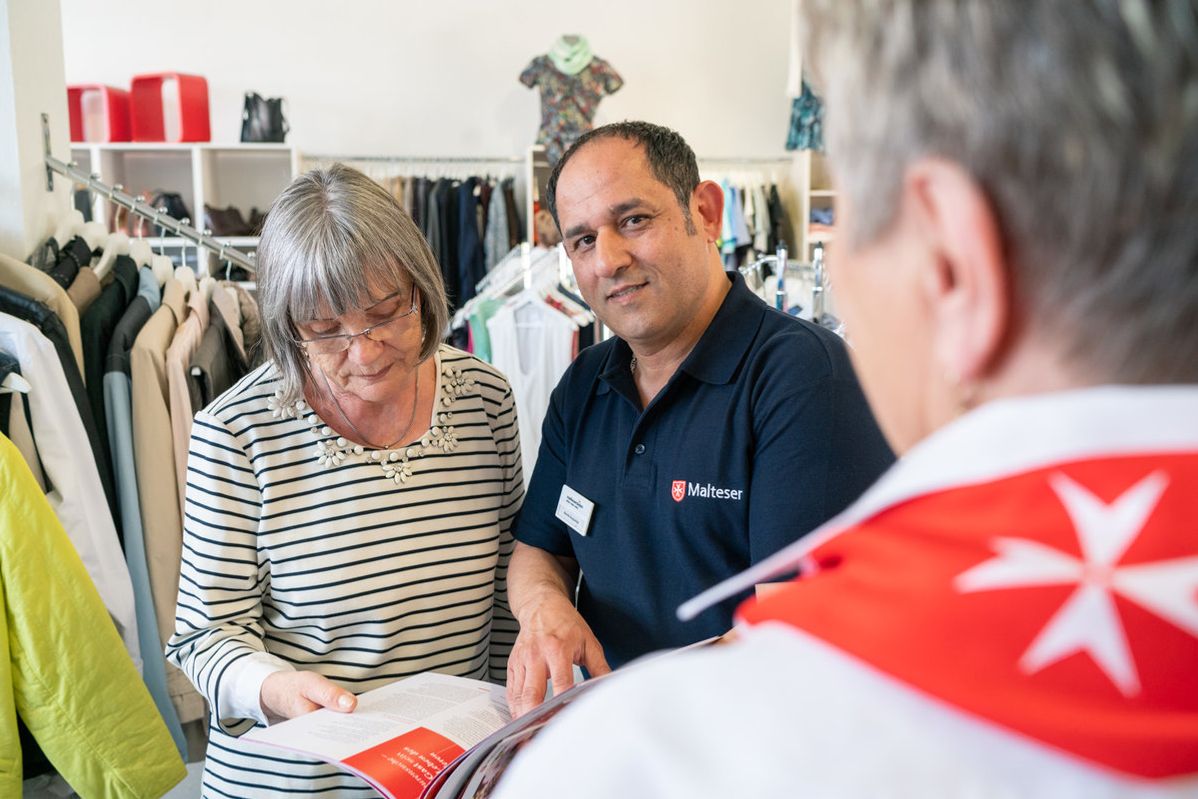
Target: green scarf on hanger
(570, 58)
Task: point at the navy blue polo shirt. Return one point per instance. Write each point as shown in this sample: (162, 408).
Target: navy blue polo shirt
(760, 436)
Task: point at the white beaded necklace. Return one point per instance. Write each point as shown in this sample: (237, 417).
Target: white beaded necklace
(396, 464)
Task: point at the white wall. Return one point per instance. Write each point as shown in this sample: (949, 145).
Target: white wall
(30, 85)
(439, 77)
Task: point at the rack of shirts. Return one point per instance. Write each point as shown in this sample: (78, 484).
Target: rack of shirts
(528, 320)
(755, 218)
(465, 207)
(106, 352)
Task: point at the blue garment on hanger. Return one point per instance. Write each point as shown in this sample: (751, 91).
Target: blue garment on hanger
(806, 122)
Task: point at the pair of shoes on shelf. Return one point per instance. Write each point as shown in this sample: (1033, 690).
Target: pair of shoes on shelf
(225, 221)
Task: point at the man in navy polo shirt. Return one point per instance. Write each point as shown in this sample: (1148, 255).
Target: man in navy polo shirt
(711, 433)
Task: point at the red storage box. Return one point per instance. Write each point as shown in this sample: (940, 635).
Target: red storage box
(98, 113)
(170, 106)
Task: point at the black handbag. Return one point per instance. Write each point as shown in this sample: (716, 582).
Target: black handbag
(262, 119)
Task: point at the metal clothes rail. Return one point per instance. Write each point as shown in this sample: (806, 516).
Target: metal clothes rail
(135, 205)
(416, 159)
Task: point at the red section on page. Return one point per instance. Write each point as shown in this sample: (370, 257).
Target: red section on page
(405, 765)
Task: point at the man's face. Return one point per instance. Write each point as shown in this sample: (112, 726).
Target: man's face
(638, 267)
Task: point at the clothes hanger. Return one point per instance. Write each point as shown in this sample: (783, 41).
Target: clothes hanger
(69, 227)
(117, 244)
(161, 264)
(186, 276)
(206, 288)
(94, 234)
(15, 384)
(141, 252)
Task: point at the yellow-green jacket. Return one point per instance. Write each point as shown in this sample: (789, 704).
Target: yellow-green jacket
(62, 664)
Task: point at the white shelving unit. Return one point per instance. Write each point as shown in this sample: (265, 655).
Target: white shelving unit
(246, 176)
(536, 177)
(815, 191)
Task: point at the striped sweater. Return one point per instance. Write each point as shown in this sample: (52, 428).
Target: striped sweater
(303, 550)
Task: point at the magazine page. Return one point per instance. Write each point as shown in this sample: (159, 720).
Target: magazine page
(475, 775)
(401, 736)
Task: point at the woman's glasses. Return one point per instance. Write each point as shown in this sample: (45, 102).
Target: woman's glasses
(381, 332)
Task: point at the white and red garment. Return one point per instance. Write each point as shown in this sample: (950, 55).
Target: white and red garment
(1012, 610)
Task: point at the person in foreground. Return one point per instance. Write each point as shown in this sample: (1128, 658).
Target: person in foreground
(349, 503)
(1012, 610)
(710, 433)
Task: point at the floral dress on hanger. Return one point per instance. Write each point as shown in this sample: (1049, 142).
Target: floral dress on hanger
(568, 102)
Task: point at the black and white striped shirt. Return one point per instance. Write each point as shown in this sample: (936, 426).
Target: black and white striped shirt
(302, 550)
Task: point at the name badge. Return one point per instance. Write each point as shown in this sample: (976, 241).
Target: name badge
(575, 510)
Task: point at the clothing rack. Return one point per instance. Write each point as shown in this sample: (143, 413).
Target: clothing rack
(417, 159)
(714, 160)
(815, 269)
(139, 206)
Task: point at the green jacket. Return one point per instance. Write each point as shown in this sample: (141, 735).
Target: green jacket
(62, 664)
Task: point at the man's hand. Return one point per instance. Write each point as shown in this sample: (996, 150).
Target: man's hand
(287, 694)
(553, 638)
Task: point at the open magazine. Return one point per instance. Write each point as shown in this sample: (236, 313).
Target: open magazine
(430, 736)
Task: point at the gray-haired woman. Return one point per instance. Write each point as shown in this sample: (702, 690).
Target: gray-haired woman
(349, 503)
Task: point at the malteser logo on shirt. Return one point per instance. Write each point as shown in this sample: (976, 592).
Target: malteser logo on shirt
(681, 489)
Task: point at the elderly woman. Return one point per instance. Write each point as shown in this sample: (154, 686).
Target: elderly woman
(1012, 610)
(348, 503)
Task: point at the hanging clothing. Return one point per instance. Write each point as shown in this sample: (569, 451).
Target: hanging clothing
(83, 703)
(85, 289)
(533, 345)
(251, 326)
(16, 419)
(779, 221)
(95, 327)
(118, 407)
(78, 496)
(480, 336)
(762, 223)
(30, 282)
(447, 208)
(514, 223)
(154, 453)
(568, 101)
(221, 359)
(495, 238)
(71, 258)
(432, 215)
(470, 262)
(806, 122)
(49, 326)
(184, 344)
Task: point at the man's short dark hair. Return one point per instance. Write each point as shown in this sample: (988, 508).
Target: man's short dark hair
(670, 158)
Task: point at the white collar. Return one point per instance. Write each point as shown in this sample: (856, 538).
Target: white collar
(999, 439)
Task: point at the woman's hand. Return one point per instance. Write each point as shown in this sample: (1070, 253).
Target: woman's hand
(287, 694)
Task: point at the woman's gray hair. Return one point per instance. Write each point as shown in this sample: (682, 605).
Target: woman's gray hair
(332, 238)
(1080, 122)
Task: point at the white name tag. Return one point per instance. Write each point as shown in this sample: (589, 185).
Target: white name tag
(575, 510)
